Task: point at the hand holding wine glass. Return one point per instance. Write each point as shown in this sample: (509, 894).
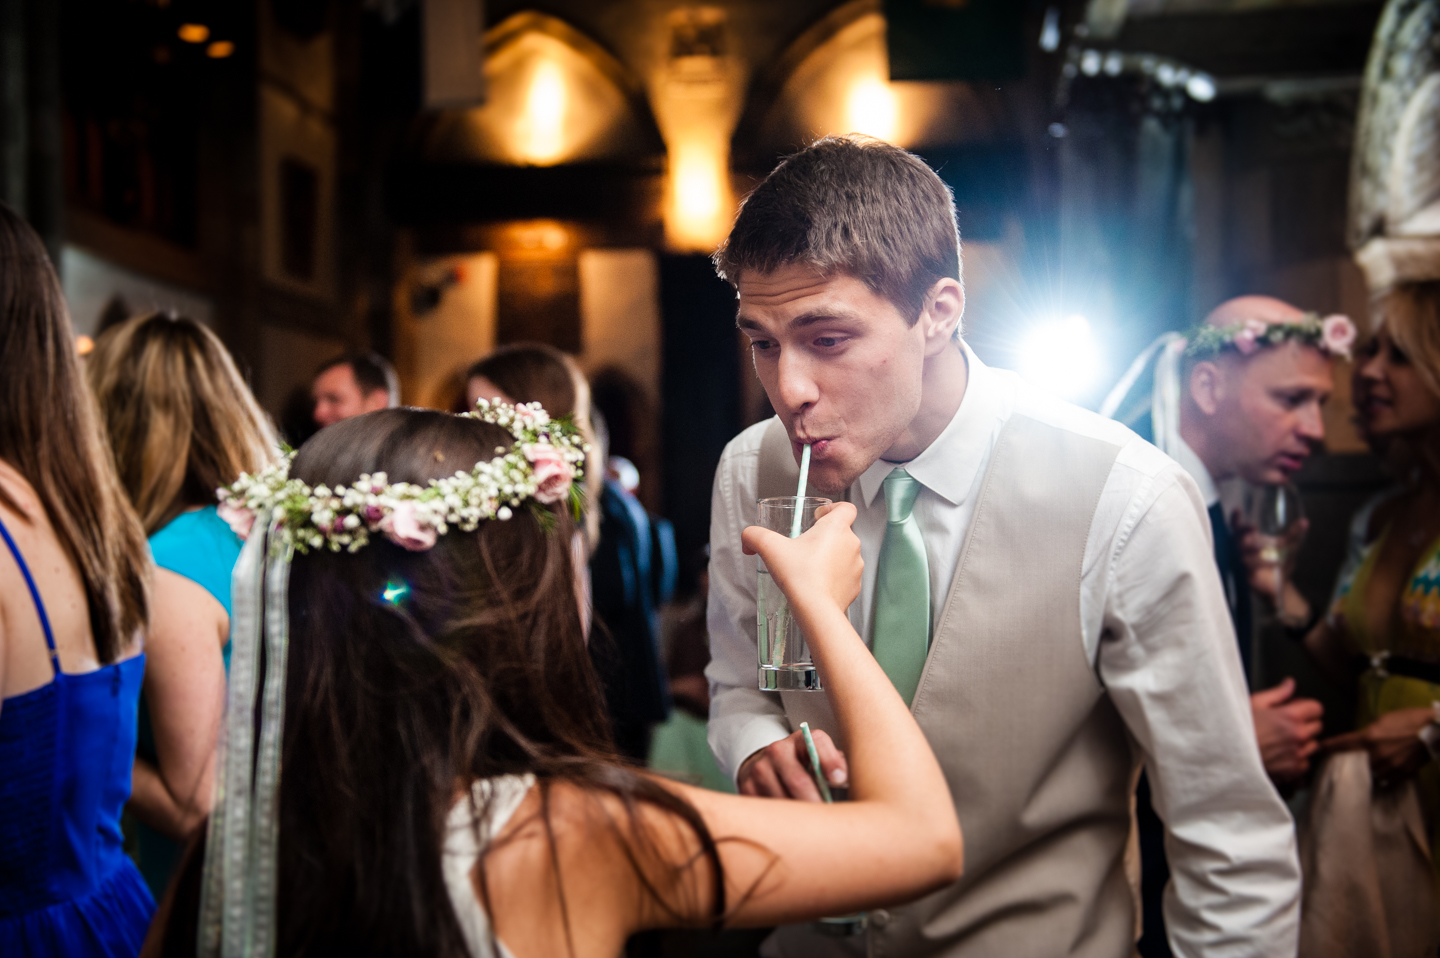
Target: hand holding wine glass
(1270, 530)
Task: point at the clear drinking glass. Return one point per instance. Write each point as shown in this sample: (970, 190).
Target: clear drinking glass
(785, 663)
(1275, 513)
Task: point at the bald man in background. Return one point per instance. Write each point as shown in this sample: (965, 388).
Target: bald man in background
(1256, 417)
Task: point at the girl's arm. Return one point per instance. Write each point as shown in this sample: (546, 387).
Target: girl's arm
(185, 695)
(894, 840)
(898, 837)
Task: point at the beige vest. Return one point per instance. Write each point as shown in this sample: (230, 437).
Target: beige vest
(1037, 758)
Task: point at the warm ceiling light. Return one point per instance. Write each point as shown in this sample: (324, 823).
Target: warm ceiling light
(220, 49)
(193, 32)
(697, 185)
(543, 126)
(84, 345)
(699, 194)
(870, 108)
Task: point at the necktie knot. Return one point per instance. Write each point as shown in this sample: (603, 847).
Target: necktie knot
(901, 488)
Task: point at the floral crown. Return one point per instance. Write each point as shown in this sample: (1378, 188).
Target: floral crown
(543, 465)
(1333, 335)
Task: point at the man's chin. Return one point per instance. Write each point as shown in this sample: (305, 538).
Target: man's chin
(830, 480)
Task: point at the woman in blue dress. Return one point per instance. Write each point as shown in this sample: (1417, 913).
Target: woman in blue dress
(73, 594)
(182, 423)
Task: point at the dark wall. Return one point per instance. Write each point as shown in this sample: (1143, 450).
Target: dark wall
(700, 393)
(30, 115)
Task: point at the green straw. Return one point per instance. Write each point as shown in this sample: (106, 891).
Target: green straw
(800, 492)
(815, 758)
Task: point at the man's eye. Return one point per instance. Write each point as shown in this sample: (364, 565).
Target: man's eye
(827, 341)
(760, 344)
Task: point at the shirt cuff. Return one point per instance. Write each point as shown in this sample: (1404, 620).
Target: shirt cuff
(755, 734)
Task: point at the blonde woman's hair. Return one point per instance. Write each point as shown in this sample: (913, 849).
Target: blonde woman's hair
(181, 420)
(50, 434)
(1411, 313)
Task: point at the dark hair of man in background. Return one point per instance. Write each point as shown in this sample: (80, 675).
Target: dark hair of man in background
(854, 205)
(372, 372)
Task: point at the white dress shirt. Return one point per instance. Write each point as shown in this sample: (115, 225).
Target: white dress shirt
(1190, 461)
(1154, 623)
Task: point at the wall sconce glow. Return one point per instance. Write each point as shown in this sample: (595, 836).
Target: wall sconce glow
(870, 108)
(1060, 356)
(542, 132)
(220, 49)
(698, 196)
(193, 32)
(546, 236)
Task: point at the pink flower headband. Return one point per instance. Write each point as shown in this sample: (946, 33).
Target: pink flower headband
(1333, 335)
(543, 464)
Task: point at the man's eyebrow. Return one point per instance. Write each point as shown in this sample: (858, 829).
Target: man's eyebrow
(802, 321)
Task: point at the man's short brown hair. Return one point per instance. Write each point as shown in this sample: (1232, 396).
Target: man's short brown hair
(854, 205)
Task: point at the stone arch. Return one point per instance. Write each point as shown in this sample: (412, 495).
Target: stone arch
(554, 96)
(824, 78)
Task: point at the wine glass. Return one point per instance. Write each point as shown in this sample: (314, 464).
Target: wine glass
(1276, 515)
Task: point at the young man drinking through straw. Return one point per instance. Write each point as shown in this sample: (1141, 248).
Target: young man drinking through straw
(1038, 586)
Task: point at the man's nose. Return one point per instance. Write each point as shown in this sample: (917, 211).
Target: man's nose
(1311, 424)
(795, 383)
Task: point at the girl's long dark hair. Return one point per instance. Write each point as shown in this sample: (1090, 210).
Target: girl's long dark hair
(414, 673)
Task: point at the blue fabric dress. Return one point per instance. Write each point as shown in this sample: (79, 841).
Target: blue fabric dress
(66, 886)
(201, 547)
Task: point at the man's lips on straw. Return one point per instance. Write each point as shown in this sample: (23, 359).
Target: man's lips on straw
(817, 446)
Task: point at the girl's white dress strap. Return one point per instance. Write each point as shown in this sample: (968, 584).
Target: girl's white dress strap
(462, 851)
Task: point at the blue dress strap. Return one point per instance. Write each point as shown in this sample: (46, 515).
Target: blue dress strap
(34, 594)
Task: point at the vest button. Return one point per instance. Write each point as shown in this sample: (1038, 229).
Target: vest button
(879, 918)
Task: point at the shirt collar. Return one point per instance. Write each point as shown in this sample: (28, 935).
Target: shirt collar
(948, 466)
(1191, 463)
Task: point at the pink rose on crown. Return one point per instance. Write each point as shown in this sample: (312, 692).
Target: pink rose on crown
(1337, 334)
(552, 473)
(405, 527)
(1245, 341)
(238, 518)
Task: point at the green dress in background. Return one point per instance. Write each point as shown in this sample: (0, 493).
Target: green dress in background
(1417, 636)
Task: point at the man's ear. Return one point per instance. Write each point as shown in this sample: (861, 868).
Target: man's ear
(376, 400)
(1207, 387)
(941, 315)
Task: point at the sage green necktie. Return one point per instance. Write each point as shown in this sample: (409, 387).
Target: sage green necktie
(901, 631)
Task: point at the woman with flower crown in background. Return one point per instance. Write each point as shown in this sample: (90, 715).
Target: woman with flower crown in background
(74, 577)
(422, 766)
(182, 423)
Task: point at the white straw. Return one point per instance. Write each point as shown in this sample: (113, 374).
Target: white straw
(800, 492)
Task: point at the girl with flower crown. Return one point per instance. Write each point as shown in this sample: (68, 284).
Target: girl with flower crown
(441, 781)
